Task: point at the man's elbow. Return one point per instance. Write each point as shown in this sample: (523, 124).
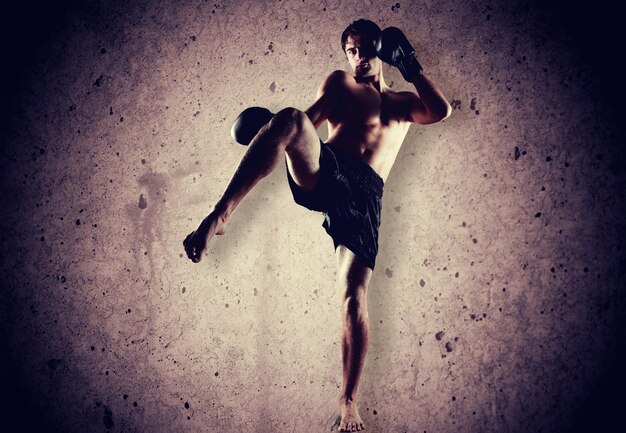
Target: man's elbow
(433, 115)
(448, 112)
(442, 113)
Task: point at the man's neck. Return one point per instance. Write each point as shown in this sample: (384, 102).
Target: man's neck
(375, 81)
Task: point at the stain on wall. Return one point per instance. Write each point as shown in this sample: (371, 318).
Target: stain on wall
(497, 304)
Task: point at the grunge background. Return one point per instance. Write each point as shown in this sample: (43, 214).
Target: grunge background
(497, 304)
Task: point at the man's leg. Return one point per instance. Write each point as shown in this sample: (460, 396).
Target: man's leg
(289, 132)
(352, 280)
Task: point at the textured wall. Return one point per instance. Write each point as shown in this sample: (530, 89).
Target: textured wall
(497, 301)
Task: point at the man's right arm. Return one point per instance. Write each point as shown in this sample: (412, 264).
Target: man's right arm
(328, 96)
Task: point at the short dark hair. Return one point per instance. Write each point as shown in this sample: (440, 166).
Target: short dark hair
(360, 28)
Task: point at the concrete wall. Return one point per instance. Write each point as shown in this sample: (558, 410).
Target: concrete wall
(497, 301)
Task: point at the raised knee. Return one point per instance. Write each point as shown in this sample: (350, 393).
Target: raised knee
(290, 119)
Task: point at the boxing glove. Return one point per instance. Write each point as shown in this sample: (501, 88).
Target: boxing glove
(248, 124)
(393, 47)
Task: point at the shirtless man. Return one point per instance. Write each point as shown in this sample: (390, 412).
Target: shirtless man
(344, 177)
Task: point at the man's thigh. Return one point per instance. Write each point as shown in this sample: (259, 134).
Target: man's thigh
(303, 155)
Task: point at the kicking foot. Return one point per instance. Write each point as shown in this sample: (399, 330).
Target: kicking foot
(350, 418)
(196, 243)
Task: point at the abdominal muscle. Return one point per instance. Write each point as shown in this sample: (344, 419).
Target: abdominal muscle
(374, 144)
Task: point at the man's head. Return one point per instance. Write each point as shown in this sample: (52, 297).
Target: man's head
(358, 41)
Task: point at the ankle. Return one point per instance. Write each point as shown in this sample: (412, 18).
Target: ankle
(348, 401)
(221, 211)
(216, 219)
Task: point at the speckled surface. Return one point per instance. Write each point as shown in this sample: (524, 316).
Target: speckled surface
(497, 302)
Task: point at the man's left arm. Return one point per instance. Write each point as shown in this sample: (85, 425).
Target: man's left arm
(428, 105)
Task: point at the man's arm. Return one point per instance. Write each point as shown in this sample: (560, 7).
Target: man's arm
(327, 97)
(430, 106)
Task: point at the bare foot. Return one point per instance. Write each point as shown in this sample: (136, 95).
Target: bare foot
(196, 243)
(350, 418)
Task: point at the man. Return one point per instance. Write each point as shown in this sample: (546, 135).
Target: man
(343, 177)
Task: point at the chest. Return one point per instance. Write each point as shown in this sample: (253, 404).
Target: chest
(367, 105)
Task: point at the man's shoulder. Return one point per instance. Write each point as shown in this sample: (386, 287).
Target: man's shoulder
(405, 96)
(337, 76)
(334, 81)
(340, 73)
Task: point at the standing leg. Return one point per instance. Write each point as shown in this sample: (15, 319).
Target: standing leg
(290, 131)
(353, 280)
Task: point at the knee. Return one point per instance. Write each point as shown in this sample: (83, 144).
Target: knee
(290, 120)
(355, 303)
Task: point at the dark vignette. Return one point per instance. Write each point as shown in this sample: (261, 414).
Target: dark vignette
(26, 29)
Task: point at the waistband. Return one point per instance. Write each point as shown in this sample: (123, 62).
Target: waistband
(358, 170)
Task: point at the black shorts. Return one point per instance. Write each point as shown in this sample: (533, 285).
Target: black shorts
(349, 193)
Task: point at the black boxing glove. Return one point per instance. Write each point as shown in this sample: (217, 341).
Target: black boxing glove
(248, 124)
(393, 47)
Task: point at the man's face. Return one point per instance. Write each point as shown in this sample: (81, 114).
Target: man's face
(361, 55)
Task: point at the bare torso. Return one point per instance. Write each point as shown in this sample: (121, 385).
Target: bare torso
(369, 124)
